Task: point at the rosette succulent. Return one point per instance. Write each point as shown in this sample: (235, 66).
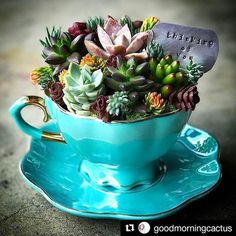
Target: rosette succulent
(117, 40)
(55, 91)
(193, 72)
(99, 106)
(92, 62)
(82, 87)
(154, 103)
(60, 49)
(78, 28)
(130, 76)
(118, 104)
(185, 98)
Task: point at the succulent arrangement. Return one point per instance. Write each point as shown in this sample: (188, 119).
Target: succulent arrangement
(115, 70)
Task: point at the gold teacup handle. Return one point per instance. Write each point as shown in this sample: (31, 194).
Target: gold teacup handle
(15, 111)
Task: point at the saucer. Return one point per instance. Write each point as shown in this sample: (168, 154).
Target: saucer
(191, 170)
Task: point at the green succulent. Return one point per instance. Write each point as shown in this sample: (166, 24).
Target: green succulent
(59, 49)
(167, 74)
(118, 104)
(127, 20)
(149, 23)
(193, 72)
(42, 76)
(154, 50)
(92, 23)
(82, 88)
(130, 76)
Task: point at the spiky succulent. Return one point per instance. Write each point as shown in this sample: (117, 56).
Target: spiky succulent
(127, 20)
(59, 49)
(42, 76)
(118, 104)
(93, 22)
(155, 50)
(130, 76)
(82, 88)
(52, 37)
(148, 23)
(193, 72)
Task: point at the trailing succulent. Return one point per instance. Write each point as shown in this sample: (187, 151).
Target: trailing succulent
(114, 70)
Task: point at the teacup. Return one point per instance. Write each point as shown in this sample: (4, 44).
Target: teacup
(116, 156)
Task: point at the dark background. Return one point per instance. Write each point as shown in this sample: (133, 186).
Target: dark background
(22, 23)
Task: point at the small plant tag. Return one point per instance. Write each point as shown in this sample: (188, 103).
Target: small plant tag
(187, 43)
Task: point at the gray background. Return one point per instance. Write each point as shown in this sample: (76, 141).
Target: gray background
(22, 23)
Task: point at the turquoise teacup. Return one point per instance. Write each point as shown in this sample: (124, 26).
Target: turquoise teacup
(116, 156)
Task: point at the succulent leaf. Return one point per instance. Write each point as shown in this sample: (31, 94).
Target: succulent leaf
(112, 26)
(138, 41)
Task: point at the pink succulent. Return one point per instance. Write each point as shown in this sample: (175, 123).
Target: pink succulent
(117, 40)
(78, 28)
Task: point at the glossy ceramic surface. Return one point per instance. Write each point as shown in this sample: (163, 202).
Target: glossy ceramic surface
(188, 171)
(116, 155)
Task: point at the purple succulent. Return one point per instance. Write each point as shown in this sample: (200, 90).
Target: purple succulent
(78, 28)
(55, 91)
(99, 106)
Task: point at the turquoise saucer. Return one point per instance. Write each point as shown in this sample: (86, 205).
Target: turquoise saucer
(189, 171)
